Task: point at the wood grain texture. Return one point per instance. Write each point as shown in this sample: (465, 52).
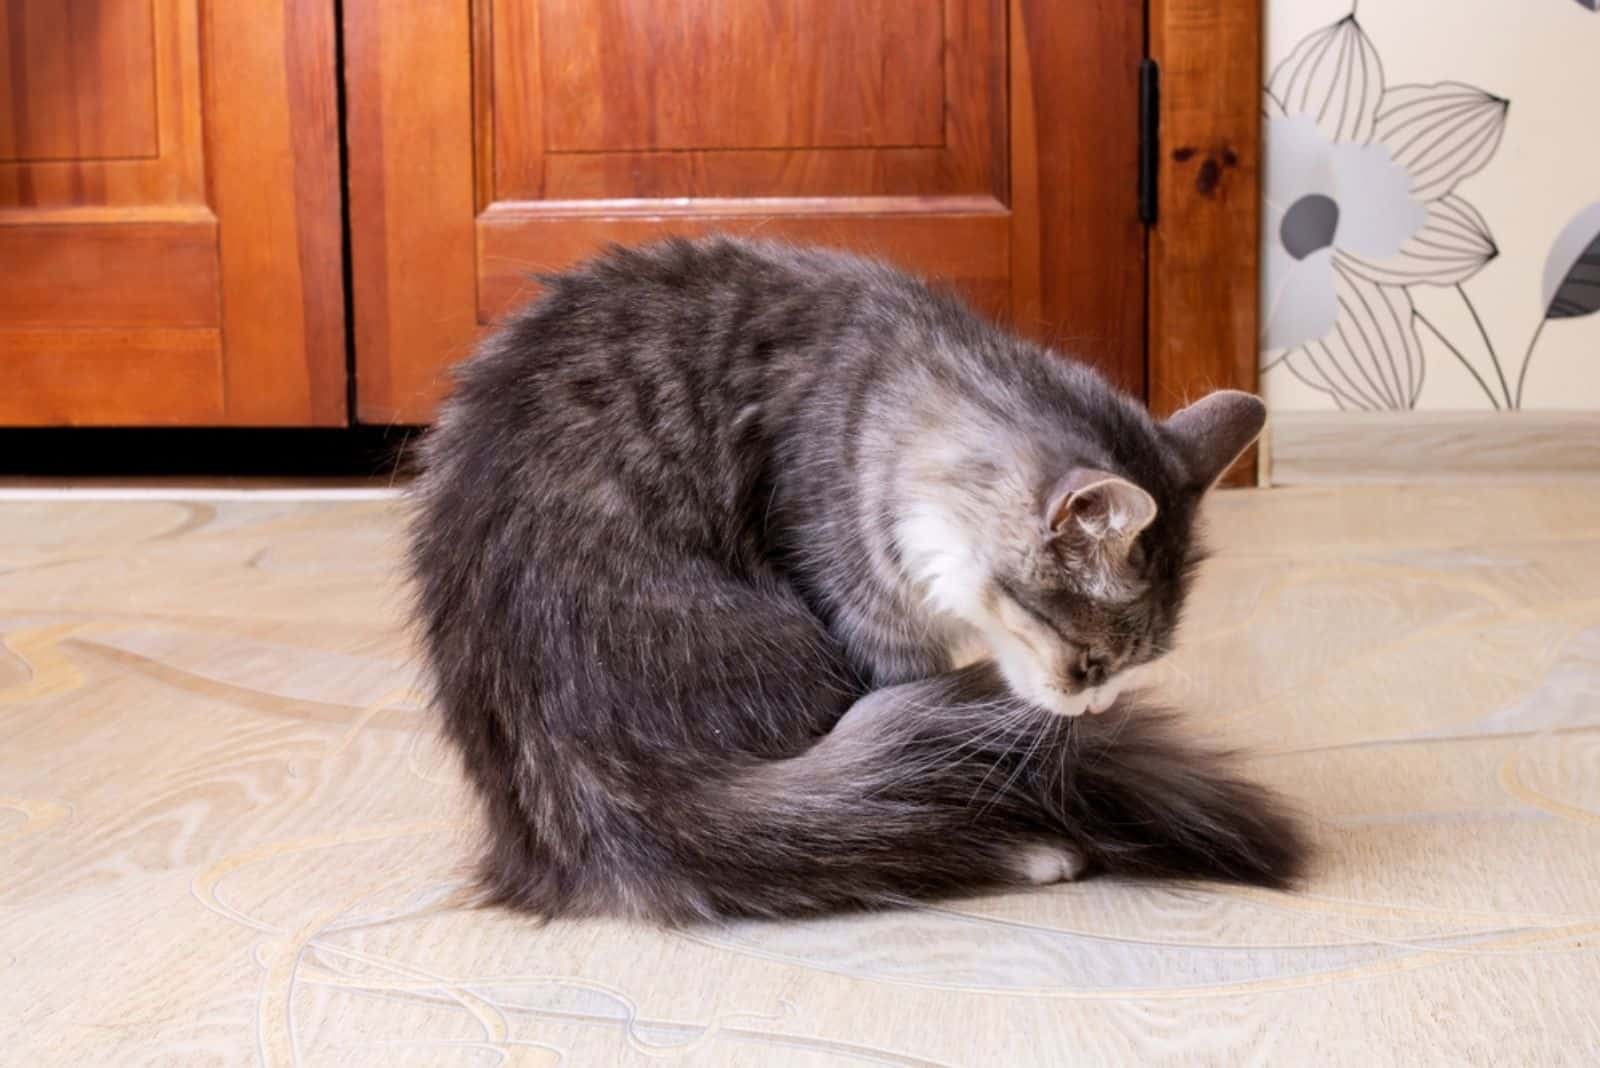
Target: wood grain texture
(410, 120)
(111, 376)
(830, 108)
(764, 173)
(510, 105)
(963, 244)
(1204, 249)
(234, 224)
(730, 74)
(101, 85)
(1078, 245)
(1359, 447)
(80, 79)
(506, 124)
(231, 833)
(976, 139)
(273, 140)
(126, 272)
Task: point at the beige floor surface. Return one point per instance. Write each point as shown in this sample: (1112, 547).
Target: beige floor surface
(228, 833)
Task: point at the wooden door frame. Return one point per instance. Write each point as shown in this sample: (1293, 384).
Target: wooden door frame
(1203, 259)
(1079, 247)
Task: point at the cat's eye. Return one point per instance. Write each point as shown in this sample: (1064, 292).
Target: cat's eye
(1034, 614)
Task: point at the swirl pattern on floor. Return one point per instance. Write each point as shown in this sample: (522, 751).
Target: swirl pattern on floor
(229, 833)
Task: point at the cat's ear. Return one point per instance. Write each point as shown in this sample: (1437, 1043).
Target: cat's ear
(1098, 504)
(1215, 430)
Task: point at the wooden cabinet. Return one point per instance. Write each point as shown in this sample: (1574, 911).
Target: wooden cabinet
(988, 145)
(170, 230)
(181, 231)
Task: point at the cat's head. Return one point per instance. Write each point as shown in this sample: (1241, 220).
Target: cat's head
(1075, 597)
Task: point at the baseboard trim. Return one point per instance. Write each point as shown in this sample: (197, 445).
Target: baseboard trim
(1353, 447)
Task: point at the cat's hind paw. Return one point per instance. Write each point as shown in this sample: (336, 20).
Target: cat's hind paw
(1040, 865)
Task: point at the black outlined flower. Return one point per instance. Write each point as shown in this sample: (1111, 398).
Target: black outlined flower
(1361, 203)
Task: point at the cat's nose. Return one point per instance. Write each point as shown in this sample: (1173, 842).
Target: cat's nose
(1091, 670)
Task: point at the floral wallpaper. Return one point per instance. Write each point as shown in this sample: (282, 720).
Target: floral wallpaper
(1431, 223)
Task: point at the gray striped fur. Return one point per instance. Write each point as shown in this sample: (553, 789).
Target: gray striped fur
(701, 540)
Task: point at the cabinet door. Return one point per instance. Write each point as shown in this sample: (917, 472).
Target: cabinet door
(986, 144)
(170, 248)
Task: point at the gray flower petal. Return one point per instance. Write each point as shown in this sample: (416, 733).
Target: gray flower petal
(1441, 133)
(1299, 303)
(1378, 214)
(1453, 245)
(1299, 161)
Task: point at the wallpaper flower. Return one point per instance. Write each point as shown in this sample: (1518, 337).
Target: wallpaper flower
(1361, 205)
(1365, 205)
(1326, 198)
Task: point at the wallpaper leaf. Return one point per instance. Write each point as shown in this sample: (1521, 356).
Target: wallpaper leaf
(1441, 133)
(1334, 76)
(1571, 286)
(1453, 244)
(1572, 269)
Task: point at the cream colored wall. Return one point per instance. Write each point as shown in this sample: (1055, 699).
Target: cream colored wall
(1469, 201)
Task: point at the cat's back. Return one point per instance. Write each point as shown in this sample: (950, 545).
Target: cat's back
(675, 343)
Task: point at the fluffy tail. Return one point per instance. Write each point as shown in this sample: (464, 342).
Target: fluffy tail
(943, 788)
(1142, 800)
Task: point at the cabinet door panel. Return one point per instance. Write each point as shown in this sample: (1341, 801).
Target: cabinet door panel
(170, 248)
(493, 139)
(136, 371)
(969, 246)
(622, 75)
(81, 81)
(47, 271)
(747, 99)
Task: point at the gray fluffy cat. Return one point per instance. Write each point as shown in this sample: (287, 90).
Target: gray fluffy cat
(761, 580)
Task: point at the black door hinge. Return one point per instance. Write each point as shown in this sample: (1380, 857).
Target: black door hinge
(1149, 137)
